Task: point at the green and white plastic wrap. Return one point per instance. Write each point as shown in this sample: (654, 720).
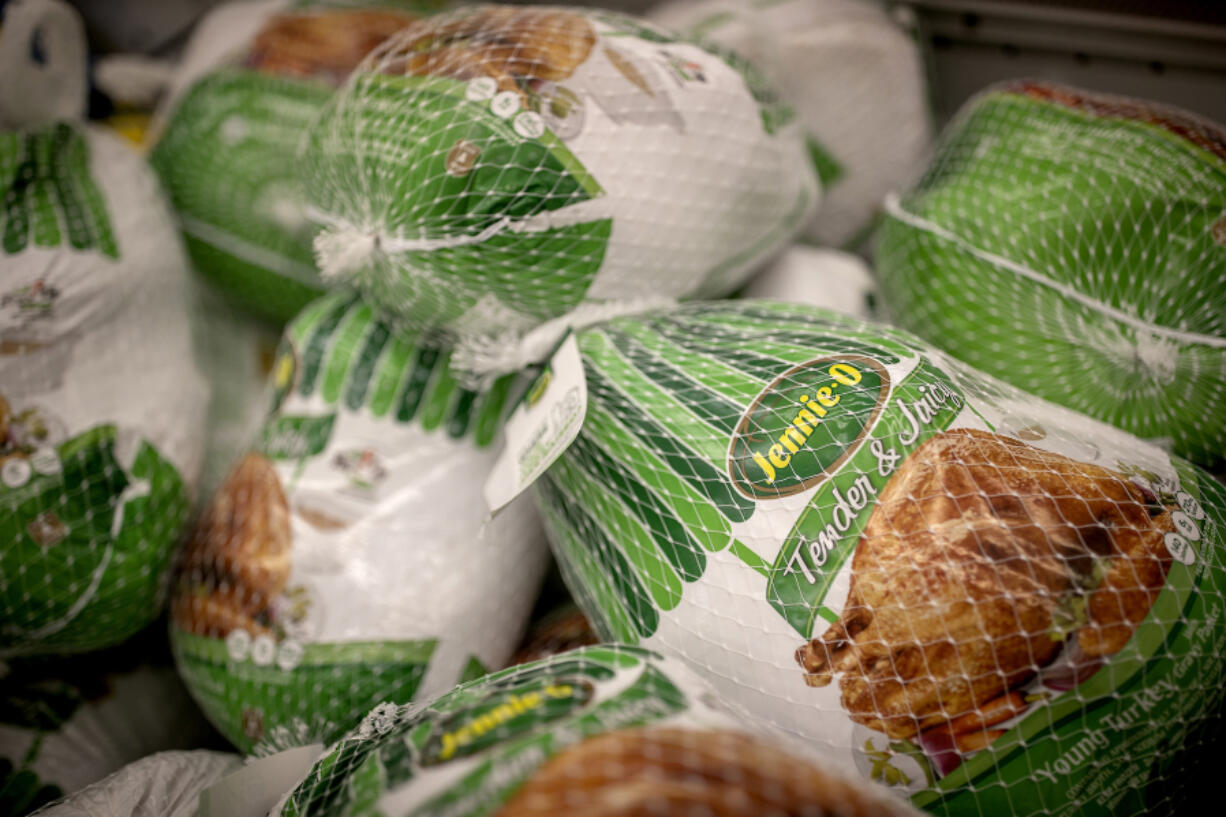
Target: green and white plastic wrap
(856, 80)
(346, 559)
(617, 729)
(101, 407)
(1074, 244)
(494, 168)
(253, 78)
(985, 601)
(67, 722)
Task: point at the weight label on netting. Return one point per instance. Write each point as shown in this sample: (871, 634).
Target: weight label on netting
(542, 426)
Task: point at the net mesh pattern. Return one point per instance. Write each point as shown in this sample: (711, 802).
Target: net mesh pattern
(495, 167)
(982, 601)
(94, 488)
(325, 576)
(839, 571)
(1074, 244)
(225, 151)
(608, 729)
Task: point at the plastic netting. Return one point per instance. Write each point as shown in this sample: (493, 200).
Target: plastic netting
(345, 560)
(985, 602)
(605, 729)
(101, 407)
(856, 79)
(1074, 244)
(253, 79)
(495, 167)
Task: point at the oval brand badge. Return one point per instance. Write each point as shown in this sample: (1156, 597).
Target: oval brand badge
(805, 424)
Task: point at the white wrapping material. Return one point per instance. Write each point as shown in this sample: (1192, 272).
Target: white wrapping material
(817, 277)
(142, 711)
(235, 351)
(628, 163)
(347, 559)
(167, 784)
(97, 387)
(216, 38)
(133, 79)
(42, 63)
(115, 328)
(856, 80)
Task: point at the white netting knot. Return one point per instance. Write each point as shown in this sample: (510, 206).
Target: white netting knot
(480, 359)
(342, 250)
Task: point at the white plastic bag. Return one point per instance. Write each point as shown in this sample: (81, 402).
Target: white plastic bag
(856, 79)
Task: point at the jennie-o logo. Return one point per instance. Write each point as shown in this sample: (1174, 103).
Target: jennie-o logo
(504, 714)
(806, 423)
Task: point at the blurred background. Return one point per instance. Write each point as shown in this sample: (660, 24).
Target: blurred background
(1168, 50)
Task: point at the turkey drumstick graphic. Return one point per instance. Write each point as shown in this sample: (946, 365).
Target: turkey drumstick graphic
(981, 558)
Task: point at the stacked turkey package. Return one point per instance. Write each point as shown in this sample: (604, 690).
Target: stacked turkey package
(822, 565)
(481, 173)
(102, 412)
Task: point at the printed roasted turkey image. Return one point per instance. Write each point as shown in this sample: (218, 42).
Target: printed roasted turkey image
(983, 560)
(323, 45)
(501, 42)
(667, 771)
(238, 559)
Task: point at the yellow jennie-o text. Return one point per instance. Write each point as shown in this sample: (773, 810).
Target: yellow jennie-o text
(812, 410)
(514, 706)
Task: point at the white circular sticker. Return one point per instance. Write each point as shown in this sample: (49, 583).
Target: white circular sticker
(505, 103)
(1185, 525)
(238, 644)
(45, 461)
(1180, 548)
(529, 125)
(263, 650)
(289, 655)
(15, 473)
(1190, 506)
(481, 88)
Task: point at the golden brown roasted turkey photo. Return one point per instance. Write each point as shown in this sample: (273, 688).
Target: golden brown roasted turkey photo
(504, 43)
(238, 559)
(985, 558)
(323, 45)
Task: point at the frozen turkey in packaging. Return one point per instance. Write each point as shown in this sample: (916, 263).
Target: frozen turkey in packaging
(600, 730)
(490, 169)
(166, 784)
(253, 77)
(101, 404)
(856, 79)
(346, 559)
(67, 722)
(977, 598)
(1074, 244)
